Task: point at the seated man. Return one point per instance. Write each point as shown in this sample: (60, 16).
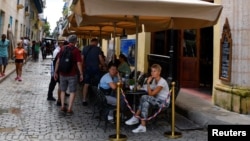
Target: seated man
(158, 92)
(108, 85)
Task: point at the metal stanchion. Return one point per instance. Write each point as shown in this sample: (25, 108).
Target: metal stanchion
(118, 136)
(173, 134)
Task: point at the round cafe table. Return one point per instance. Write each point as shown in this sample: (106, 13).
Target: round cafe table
(136, 94)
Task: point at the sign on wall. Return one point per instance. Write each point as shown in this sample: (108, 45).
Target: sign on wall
(225, 53)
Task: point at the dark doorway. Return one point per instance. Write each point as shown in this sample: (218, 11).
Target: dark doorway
(160, 46)
(206, 58)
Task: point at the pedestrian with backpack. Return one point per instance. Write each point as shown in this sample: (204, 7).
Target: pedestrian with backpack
(68, 65)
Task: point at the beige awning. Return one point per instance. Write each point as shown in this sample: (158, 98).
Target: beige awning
(184, 14)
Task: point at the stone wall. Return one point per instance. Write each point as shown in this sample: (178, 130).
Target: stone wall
(234, 95)
(232, 99)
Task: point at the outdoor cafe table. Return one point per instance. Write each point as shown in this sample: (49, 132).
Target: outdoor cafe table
(136, 95)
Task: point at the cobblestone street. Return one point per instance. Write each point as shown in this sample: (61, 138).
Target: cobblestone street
(26, 115)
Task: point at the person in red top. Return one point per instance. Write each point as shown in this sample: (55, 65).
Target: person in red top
(20, 56)
(69, 80)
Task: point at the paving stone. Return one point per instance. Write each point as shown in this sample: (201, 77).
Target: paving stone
(24, 107)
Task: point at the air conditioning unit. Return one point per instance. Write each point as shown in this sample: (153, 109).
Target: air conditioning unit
(20, 6)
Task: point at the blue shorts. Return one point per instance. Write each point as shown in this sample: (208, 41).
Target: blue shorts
(68, 82)
(92, 76)
(4, 61)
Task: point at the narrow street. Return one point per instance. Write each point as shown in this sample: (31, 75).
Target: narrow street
(26, 115)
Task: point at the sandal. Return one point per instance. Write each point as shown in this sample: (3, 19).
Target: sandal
(63, 109)
(69, 113)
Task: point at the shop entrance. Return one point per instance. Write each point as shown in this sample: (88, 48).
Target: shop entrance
(193, 55)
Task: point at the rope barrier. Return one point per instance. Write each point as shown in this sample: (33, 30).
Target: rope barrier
(151, 117)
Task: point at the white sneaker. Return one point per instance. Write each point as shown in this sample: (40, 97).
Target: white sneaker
(132, 121)
(140, 129)
(110, 117)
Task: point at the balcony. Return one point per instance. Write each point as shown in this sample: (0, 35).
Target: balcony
(39, 5)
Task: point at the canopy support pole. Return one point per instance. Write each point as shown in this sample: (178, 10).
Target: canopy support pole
(136, 50)
(113, 56)
(171, 54)
(100, 37)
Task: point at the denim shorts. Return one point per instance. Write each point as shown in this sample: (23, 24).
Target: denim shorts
(3, 60)
(68, 82)
(92, 76)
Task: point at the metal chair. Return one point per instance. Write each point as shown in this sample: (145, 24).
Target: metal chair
(102, 106)
(166, 111)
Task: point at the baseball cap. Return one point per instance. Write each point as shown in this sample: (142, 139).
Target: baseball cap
(72, 38)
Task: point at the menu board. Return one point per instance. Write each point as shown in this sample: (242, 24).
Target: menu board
(226, 53)
(225, 59)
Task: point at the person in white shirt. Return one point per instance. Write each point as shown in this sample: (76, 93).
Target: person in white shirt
(26, 44)
(158, 94)
(53, 82)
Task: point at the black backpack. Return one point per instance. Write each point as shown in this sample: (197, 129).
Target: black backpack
(66, 60)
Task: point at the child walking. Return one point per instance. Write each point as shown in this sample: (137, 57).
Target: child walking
(20, 56)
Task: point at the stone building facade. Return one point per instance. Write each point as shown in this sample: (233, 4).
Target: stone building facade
(20, 18)
(233, 94)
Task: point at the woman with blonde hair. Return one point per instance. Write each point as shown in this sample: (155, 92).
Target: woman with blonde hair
(158, 94)
(20, 56)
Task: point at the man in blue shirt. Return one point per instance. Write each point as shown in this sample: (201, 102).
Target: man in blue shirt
(4, 45)
(92, 59)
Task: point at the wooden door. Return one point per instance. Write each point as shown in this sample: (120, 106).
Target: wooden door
(189, 58)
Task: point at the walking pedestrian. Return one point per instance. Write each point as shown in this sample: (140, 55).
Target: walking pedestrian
(26, 44)
(37, 48)
(92, 58)
(20, 55)
(53, 82)
(69, 80)
(4, 45)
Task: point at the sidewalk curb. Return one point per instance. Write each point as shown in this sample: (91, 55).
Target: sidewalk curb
(204, 113)
(9, 71)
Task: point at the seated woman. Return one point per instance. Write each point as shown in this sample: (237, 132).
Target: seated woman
(108, 85)
(158, 91)
(123, 67)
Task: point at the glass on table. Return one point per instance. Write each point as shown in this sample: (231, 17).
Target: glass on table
(131, 87)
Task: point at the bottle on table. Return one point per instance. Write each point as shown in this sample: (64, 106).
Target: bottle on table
(126, 81)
